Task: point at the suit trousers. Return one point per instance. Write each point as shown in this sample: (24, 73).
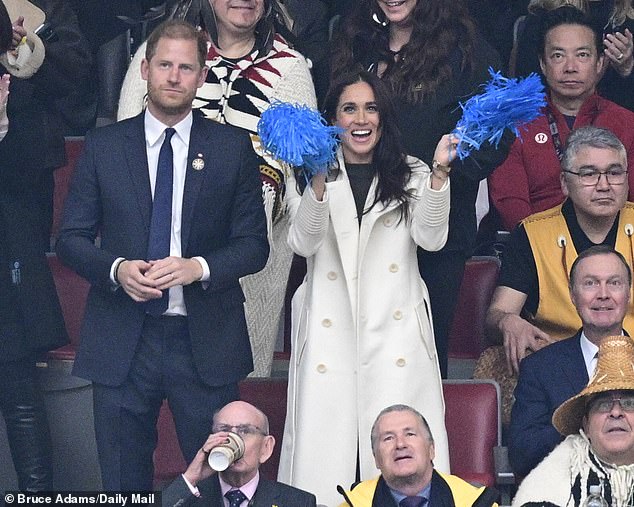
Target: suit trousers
(126, 415)
(24, 413)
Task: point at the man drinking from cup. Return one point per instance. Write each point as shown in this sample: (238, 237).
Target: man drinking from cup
(239, 444)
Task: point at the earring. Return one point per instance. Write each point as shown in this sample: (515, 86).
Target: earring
(375, 18)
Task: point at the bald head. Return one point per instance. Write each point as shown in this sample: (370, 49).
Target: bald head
(241, 410)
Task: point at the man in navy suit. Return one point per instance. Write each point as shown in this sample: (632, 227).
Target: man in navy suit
(176, 202)
(600, 282)
(204, 486)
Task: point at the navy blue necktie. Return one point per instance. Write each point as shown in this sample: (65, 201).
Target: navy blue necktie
(161, 224)
(235, 497)
(413, 501)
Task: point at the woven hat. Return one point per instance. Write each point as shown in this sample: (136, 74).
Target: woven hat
(615, 372)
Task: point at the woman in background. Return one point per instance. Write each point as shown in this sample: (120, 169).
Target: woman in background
(30, 316)
(361, 321)
(431, 57)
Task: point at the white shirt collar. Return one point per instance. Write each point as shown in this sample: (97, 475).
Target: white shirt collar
(154, 128)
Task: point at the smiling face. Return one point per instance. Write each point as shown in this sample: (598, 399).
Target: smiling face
(237, 16)
(173, 75)
(601, 294)
(571, 65)
(398, 12)
(358, 115)
(403, 451)
(602, 200)
(611, 433)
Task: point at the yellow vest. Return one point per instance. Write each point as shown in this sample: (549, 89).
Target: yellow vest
(554, 254)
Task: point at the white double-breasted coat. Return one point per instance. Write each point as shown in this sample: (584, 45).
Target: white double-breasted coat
(362, 331)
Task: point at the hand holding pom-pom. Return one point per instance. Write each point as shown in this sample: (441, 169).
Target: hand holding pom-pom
(505, 103)
(299, 136)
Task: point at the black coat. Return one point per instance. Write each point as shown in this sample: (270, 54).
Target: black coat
(30, 315)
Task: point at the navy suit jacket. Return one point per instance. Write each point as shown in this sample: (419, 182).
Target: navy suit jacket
(267, 494)
(547, 378)
(222, 220)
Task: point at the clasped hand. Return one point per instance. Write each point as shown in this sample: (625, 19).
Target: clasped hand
(144, 280)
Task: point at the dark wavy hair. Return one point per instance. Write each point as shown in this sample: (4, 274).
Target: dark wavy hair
(6, 30)
(424, 63)
(388, 159)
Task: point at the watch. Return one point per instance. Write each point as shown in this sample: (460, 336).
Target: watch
(437, 165)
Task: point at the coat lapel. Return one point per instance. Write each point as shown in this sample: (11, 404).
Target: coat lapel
(136, 156)
(573, 364)
(265, 496)
(194, 175)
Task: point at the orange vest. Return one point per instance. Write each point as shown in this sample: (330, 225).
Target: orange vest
(554, 254)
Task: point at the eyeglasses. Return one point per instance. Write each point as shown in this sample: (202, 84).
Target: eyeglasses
(604, 405)
(243, 430)
(589, 177)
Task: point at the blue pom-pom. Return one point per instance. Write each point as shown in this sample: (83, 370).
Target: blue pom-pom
(299, 136)
(505, 103)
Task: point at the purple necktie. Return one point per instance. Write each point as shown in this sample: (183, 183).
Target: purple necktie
(413, 501)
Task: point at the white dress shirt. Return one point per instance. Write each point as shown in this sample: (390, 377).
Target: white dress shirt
(154, 137)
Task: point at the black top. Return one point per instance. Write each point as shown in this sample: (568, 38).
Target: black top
(360, 176)
(519, 270)
(424, 123)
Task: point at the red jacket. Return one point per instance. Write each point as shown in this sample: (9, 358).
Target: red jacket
(528, 180)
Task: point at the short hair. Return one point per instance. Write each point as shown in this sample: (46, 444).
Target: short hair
(599, 250)
(177, 29)
(593, 137)
(397, 408)
(6, 29)
(567, 15)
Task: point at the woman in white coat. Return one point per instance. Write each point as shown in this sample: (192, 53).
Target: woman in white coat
(362, 329)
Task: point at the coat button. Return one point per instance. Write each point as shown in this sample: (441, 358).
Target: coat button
(393, 268)
(332, 275)
(400, 362)
(398, 315)
(326, 323)
(321, 368)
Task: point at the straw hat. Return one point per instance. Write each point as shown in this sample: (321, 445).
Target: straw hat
(615, 372)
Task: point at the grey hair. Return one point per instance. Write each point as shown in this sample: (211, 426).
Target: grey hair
(593, 137)
(397, 408)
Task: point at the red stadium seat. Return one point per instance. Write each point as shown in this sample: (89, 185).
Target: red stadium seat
(472, 418)
(467, 334)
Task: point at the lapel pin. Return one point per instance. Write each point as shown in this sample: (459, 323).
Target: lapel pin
(198, 163)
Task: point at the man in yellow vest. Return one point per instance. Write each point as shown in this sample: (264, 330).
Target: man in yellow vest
(403, 449)
(531, 306)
